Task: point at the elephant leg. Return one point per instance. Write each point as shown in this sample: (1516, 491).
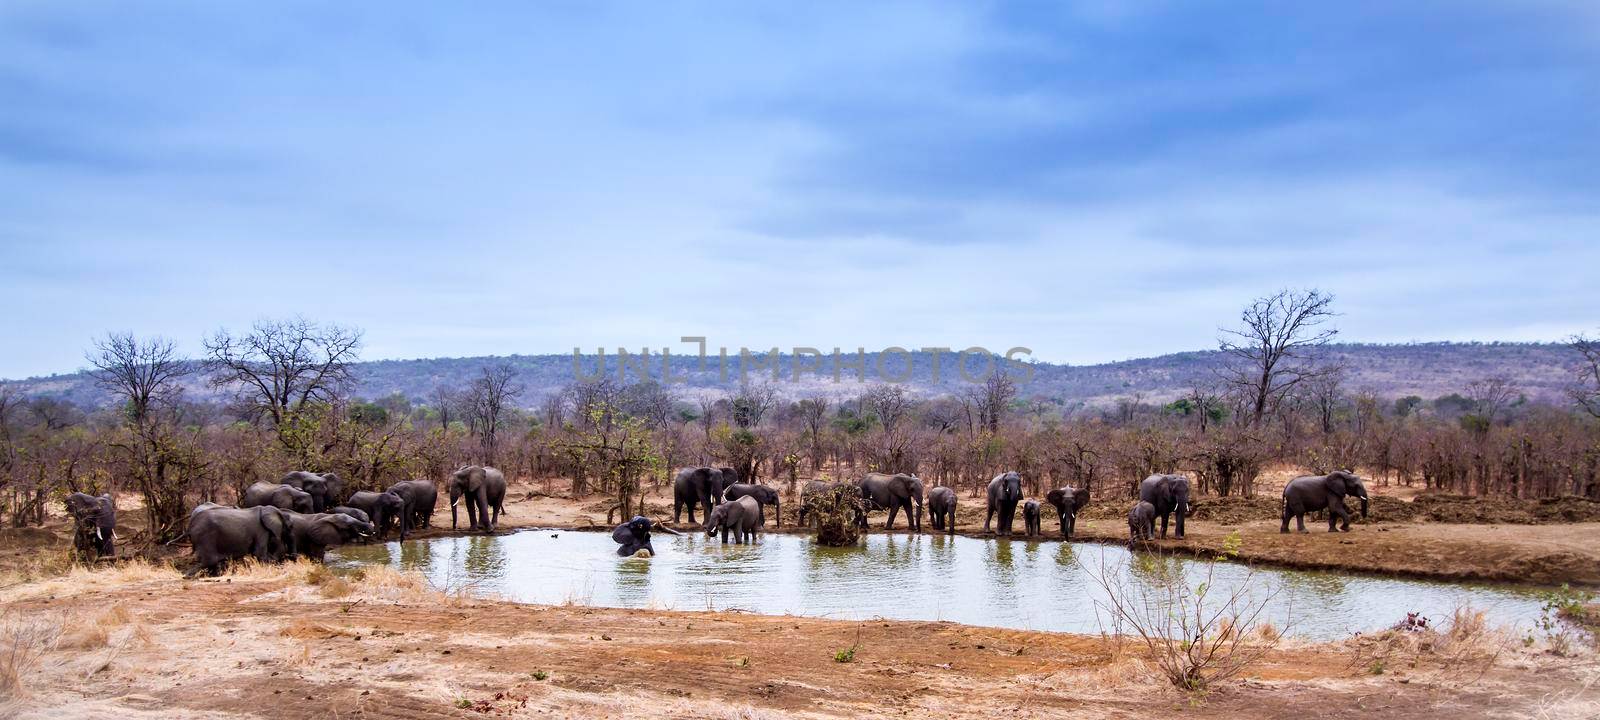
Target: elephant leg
(1163, 526)
(893, 508)
(483, 513)
(986, 518)
(1337, 513)
(1300, 521)
(1286, 513)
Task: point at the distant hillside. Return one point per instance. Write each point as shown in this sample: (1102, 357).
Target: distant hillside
(1426, 369)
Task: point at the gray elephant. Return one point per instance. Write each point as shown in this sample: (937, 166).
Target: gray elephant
(1141, 523)
(420, 497)
(1030, 517)
(1005, 491)
(893, 493)
(220, 534)
(1169, 494)
(94, 519)
(1322, 492)
(311, 535)
(382, 509)
(633, 536)
(1067, 502)
(697, 487)
(484, 489)
(325, 489)
(356, 513)
(764, 496)
(942, 509)
(740, 517)
(283, 497)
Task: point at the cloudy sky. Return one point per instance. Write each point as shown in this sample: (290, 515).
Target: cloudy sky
(1095, 181)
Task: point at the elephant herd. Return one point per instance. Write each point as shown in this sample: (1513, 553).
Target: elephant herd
(1163, 497)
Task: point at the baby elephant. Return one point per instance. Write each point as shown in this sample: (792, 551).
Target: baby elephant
(1141, 523)
(942, 508)
(741, 517)
(633, 536)
(1030, 517)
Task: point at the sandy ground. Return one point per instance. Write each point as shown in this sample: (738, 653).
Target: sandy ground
(143, 643)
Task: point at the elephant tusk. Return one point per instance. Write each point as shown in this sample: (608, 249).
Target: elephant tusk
(99, 534)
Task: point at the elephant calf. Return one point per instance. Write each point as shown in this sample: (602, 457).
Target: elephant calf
(312, 535)
(381, 508)
(942, 509)
(740, 517)
(356, 513)
(633, 536)
(1030, 517)
(1141, 523)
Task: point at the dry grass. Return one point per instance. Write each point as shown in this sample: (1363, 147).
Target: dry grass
(303, 629)
(23, 642)
(78, 580)
(1459, 654)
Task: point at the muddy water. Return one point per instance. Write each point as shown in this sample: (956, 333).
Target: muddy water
(999, 583)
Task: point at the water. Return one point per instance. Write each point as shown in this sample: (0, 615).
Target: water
(999, 583)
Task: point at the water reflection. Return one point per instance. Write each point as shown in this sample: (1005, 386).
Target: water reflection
(1003, 583)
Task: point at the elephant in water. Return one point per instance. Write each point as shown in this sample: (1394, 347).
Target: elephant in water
(485, 489)
(740, 517)
(1322, 492)
(95, 520)
(312, 535)
(1068, 501)
(325, 489)
(942, 509)
(893, 493)
(420, 497)
(1005, 491)
(283, 497)
(220, 534)
(698, 487)
(763, 495)
(1169, 494)
(633, 536)
(1141, 523)
(1030, 517)
(381, 509)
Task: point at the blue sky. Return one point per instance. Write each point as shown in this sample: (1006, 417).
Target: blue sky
(1095, 181)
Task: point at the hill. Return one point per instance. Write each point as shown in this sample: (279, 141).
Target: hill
(1540, 370)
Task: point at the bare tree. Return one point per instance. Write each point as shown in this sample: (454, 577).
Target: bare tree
(991, 399)
(446, 401)
(1326, 392)
(888, 402)
(752, 402)
(143, 374)
(488, 398)
(1272, 349)
(813, 412)
(1585, 389)
(281, 365)
(1490, 396)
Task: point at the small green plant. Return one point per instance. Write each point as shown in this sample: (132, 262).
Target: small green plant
(744, 661)
(540, 675)
(1232, 544)
(846, 655)
(1559, 613)
(463, 703)
(1377, 667)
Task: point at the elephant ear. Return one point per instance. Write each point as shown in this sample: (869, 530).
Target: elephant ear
(1337, 484)
(1080, 499)
(1057, 497)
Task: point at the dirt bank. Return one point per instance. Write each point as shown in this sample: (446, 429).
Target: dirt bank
(143, 643)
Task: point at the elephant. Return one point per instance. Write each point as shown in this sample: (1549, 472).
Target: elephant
(420, 497)
(1310, 493)
(1141, 523)
(311, 535)
(325, 489)
(283, 497)
(1030, 517)
(893, 493)
(697, 487)
(1068, 501)
(381, 509)
(95, 522)
(764, 496)
(1005, 491)
(220, 534)
(1169, 494)
(356, 513)
(741, 517)
(633, 536)
(942, 509)
(484, 489)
